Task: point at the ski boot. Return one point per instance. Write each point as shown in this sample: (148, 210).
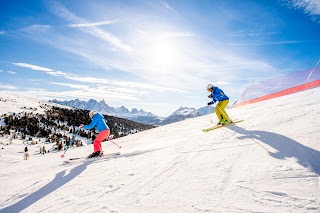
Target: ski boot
(220, 122)
(95, 154)
(226, 122)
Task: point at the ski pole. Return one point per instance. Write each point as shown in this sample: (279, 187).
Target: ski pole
(74, 136)
(115, 144)
(223, 113)
(210, 113)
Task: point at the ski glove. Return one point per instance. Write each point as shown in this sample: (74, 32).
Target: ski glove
(210, 96)
(212, 102)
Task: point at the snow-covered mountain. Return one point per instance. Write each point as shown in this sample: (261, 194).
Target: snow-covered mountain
(205, 110)
(135, 114)
(267, 163)
(181, 114)
(122, 112)
(185, 112)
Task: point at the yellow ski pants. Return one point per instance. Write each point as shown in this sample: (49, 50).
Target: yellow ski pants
(220, 112)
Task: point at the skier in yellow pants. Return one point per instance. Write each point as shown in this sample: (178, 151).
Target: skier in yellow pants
(218, 95)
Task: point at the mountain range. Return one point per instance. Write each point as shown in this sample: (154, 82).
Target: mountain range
(136, 115)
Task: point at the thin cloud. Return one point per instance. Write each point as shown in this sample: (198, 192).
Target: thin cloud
(11, 72)
(2, 32)
(63, 12)
(83, 79)
(267, 43)
(124, 84)
(243, 34)
(166, 35)
(93, 24)
(167, 5)
(310, 7)
(37, 28)
(74, 86)
(7, 87)
(33, 67)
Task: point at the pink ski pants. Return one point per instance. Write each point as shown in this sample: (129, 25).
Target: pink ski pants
(97, 142)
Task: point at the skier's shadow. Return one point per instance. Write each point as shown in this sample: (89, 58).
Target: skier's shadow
(286, 147)
(60, 179)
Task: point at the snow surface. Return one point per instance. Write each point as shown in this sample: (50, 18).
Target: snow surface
(14, 103)
(268, 163)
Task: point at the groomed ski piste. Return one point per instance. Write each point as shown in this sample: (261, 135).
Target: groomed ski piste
(270, 162)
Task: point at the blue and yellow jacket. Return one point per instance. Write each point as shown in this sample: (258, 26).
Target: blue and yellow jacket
(218, 95)
(97, 121)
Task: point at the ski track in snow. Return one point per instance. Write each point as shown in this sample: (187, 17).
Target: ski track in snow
(268, 163)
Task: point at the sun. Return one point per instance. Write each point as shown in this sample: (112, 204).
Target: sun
(163, 55)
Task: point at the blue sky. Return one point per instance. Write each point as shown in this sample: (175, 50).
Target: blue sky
(152, 55)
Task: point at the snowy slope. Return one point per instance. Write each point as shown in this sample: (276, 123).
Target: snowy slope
(14, 103)
(268, 163)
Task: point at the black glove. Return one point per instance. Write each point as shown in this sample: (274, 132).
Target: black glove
(209, 103)
(210, 96)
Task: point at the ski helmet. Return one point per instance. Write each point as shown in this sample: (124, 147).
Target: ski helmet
(210, 86)
(92, 113)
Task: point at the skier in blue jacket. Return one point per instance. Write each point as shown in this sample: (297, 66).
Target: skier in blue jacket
(218, 95)
(97, 121)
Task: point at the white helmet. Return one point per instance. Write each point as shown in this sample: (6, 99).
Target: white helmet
(92, 113)
(210, 86)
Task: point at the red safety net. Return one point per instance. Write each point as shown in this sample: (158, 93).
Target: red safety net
(279, 86)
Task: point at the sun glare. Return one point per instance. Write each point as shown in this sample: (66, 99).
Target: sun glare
(163, 55)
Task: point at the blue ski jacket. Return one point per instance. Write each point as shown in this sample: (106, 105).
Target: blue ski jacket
(218, 95)
(97, 121)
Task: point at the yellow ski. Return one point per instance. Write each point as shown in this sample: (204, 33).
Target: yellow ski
(219, 126)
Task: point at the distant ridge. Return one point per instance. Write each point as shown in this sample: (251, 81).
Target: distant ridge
(136, 115)
(122, 112)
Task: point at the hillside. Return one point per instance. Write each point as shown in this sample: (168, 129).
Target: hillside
(30, 117)
(268, 163)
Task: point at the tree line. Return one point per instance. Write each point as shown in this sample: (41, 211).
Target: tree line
(57, 123)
